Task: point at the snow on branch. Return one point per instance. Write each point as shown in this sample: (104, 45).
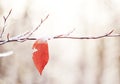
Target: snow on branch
(27, 35)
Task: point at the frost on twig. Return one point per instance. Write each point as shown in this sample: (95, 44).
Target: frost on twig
(19, 38)
(27, 35)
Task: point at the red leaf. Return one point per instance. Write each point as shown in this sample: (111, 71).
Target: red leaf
(41, 54)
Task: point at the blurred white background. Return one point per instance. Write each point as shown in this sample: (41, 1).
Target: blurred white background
(71, 61)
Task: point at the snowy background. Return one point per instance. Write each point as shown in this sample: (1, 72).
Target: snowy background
(71, 61)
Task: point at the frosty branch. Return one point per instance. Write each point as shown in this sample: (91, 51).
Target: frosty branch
(27, 35)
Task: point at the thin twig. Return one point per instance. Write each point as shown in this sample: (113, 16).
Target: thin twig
(5, 20)
(59, 37)
(22, 37)
(65, 35)
(27, 35)
(42, 20)
(87, 37)
(8, 38)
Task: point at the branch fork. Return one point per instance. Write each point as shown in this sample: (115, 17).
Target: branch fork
(27, 35)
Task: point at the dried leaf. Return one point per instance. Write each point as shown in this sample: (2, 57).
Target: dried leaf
(41, 54)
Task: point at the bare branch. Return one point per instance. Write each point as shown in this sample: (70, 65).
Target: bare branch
(22, 37)
(87, 37)
(42, 20)
(27, 35)
(65, 35)
(5, 20)
(8, 36)
(59, 37)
